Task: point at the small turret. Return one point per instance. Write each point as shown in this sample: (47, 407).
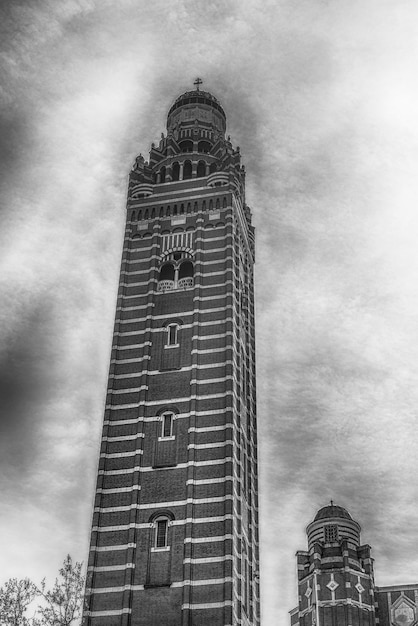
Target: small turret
(335, 574)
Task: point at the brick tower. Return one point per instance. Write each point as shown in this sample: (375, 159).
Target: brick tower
(174, 536)
(335, 576)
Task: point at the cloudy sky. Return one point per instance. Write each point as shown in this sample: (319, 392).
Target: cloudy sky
(321, 96)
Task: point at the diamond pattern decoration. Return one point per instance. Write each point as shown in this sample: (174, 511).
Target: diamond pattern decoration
(308, 592)
(359, 587)
(332, 585)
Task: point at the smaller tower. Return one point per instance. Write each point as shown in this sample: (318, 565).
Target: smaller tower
(335, 574)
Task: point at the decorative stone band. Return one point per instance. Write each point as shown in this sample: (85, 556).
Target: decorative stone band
(187, 368)
(108, 613)
(183, 583)
(119, 489)
(110, 568)
(208, 605)
(209, 559)
(164, 505)
(187, 520)
(115, 548)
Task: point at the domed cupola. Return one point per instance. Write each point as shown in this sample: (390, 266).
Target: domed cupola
(333, 523)
(196, 115)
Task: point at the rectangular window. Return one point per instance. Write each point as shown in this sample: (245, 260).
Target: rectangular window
(167, 425)
(331, 533)
(161, 533)
(172, 334)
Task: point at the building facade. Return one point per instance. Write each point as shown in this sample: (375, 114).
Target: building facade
(336, 584)
(175, 528)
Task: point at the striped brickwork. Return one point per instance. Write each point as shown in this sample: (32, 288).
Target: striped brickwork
(335, 575)
(202, 478)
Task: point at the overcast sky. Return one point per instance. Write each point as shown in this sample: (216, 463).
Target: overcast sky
(321, 96)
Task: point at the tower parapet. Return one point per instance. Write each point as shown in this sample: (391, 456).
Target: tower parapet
(195, 147)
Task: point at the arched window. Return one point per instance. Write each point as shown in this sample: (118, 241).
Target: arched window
(213, 168)
(204, 146)
(166, 277)
(185, 280)
(167, 423)
(172, 334)
(162, 174)
(186, 146)
(175, 172)
(187, 170)
(201, 169)
(161, 532)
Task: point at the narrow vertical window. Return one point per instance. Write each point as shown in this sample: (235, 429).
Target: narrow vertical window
(161, 533)
(167, 425)
(172, 334)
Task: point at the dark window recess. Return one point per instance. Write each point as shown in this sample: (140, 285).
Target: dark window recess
(172, 331)
(331, 533)
(187, 170)
(175, 172)
(161, 528)
(204, 146)
(167, 272)
(167, 425)
(201, 169)
(186, 270)
(186, 146)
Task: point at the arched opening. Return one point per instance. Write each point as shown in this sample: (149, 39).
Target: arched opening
(201, 169)
(185, 275)
(186, 145)
(187, 170)
(166, 277)
(162, 174)
(186, 269)
(175, 171)
(204, 146)
(213, 168)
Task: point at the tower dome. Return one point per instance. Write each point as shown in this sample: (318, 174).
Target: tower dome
(196, 108)
(332, 524)
(332, 510)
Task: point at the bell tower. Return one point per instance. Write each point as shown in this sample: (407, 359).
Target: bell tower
(174, 537)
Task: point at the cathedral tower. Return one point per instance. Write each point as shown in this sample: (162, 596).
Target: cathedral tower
(174, 537)
(335, 576)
